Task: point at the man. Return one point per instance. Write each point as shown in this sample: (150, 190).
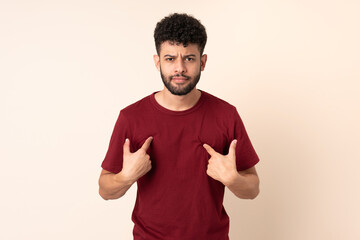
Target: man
(181, 145)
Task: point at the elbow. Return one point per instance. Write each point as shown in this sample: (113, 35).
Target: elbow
(250, 195)
(255, 190)
(103, 195)
(107, 196)
(254, 194)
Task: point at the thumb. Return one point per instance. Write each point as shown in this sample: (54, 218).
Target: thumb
(232, 148)
(126, 147)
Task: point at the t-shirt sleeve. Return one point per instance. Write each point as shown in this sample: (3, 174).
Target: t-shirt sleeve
(246, 156)
(114, 157)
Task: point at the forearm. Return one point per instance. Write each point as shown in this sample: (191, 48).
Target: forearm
(245, 186)
(113, 186)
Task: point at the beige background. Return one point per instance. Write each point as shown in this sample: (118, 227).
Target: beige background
(290, 67)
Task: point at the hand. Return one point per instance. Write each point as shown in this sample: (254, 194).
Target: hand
(222, 167)
(137, 164)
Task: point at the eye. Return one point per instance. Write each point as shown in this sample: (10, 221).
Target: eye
(169, 59)
(189, 59)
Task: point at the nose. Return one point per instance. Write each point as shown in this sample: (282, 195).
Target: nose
(180, 66)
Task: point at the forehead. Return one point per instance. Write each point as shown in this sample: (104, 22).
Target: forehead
(175, 49)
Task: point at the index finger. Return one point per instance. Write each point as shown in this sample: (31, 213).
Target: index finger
(147, 143)
(209, 149)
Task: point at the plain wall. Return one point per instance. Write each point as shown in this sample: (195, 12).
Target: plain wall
(292, 69)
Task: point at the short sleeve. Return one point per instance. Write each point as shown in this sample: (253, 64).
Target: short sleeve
(246, 156)
(114, 157)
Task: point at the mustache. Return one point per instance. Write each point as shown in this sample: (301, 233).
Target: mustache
(180, 75)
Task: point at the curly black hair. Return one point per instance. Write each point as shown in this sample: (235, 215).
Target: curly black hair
(180, 29)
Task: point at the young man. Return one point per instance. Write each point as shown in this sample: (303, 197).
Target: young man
(181, 145)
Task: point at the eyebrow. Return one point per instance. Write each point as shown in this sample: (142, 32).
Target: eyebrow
(173, 56)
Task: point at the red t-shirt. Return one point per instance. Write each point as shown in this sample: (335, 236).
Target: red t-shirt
(176, 199)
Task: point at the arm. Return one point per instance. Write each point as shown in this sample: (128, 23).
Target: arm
(113, 186)
(135, 165)
(244, 184)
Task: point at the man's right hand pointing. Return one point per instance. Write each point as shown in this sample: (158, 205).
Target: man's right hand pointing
(137, 164)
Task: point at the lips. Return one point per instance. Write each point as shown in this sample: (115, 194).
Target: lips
(179, 79)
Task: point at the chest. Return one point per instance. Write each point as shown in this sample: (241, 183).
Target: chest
(176, 152)
(181, 132)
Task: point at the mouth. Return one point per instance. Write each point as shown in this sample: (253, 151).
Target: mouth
(180, 79)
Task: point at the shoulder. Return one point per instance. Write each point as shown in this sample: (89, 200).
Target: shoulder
(140, 106)
(216, 103)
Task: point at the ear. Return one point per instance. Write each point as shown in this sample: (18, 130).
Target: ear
(203, 60)
(157, 61)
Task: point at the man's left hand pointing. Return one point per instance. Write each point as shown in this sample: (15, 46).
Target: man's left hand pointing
(222, 167)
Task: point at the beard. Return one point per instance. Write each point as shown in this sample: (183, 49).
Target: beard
(180, 89)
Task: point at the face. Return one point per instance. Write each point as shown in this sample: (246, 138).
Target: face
(180, 67)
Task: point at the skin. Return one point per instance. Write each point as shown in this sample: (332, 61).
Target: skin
(177, 60)
(244, 184)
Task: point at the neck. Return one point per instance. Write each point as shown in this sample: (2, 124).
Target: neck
(177, 103)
